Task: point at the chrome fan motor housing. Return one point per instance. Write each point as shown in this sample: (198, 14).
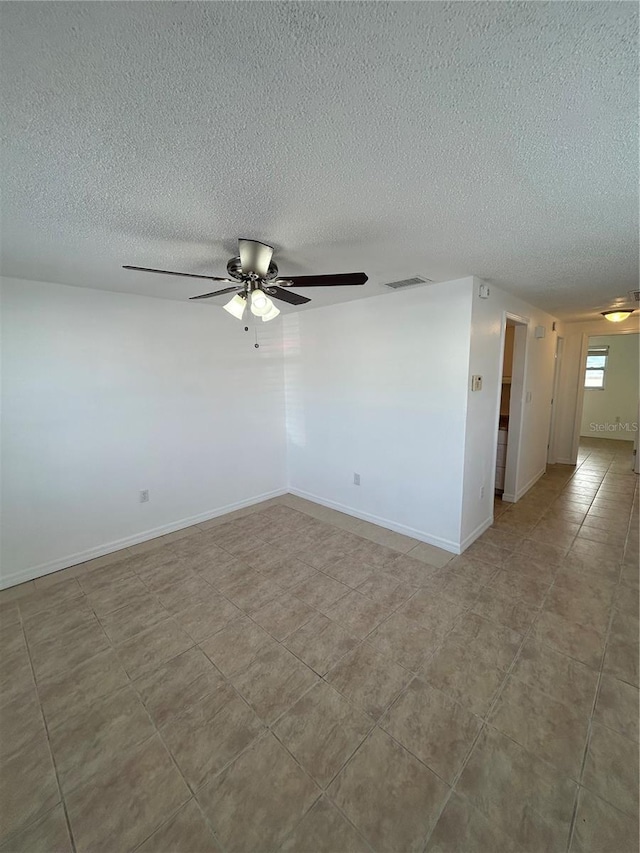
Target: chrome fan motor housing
(234, 268)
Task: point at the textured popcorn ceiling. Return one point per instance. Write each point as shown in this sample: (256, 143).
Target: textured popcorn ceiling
(442, 139)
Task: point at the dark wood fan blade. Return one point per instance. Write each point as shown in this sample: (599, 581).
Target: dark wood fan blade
(218, 292)
(286, 296)
(339, 279)
(171, 272)
(255, 257)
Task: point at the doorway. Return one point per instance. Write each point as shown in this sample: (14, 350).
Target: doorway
(607, 414)
(511, 406)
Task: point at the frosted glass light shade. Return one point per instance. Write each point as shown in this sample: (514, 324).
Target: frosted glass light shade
(236, 306)
(616, 316)
(271, 315)
(260, 303)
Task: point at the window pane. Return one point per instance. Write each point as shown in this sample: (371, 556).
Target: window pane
(594, 379)
(596, 360)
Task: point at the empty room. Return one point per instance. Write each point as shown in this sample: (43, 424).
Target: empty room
(319, 427)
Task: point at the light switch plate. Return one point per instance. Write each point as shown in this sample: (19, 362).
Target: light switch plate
(476, 383)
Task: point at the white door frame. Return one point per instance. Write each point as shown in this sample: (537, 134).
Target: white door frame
(517, 400)
(577, 420)
(551, 446)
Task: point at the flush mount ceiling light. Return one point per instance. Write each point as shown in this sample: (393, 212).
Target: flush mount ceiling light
(616, 316)
(254, 278)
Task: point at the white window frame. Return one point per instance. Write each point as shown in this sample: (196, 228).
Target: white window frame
(602, 351)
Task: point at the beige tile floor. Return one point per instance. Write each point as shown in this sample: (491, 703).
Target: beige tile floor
(289, 678)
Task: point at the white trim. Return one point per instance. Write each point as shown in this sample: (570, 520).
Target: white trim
(32, 572)
(475, 534)
(521, 492)
(577, 415)
(517, 412)
(512, 458)
(496, 428)
(557, 369)
(445, 544)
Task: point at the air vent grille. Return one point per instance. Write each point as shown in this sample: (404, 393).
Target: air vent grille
(635, 295)
(408, 282)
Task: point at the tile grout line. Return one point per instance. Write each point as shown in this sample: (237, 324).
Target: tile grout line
(496, 698)
(323, 678)
(323, 789)
(539, 608)
(170, 614)
(594, 704)
(268, 726)
(485, 722)
(192, 795)
(62, 800)
(363, 640)
(131, 684)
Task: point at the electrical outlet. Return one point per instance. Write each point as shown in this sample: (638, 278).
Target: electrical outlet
(144, 496)
(476, 383)
(356, 479)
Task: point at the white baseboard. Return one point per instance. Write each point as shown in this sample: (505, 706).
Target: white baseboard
(475, 534)
(511, 498)
(32, 572)
(421, 535)
(565, 462)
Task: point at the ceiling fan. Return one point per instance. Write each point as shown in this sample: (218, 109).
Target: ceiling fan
(254, 278)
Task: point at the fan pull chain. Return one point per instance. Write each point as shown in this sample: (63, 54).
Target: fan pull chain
(255, 329)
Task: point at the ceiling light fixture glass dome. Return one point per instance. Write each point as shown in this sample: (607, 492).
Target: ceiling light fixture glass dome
(236, 306)
(616, 316)
(260, 303)
(271, 315)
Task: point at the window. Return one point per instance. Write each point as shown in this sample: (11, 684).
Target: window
(596, 367)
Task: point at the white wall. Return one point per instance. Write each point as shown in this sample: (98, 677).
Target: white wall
(378, 387)
(571, 381)
(104, 394)
(487, 335)
(619, 397)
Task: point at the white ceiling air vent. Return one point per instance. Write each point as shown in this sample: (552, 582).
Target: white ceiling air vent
(635, 295)
(408, 282)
